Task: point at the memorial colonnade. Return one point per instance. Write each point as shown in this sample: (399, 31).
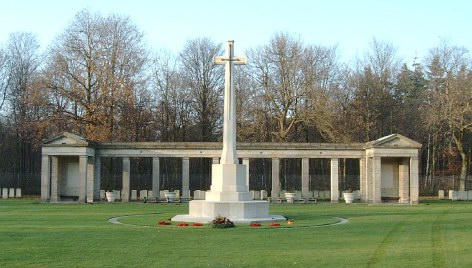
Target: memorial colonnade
(387, 166)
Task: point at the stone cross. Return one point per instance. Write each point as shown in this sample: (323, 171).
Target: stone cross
(229, 155)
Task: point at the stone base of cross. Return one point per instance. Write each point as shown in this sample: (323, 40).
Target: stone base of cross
(228, 183)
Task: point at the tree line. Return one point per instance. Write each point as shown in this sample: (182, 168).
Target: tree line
(100, 80)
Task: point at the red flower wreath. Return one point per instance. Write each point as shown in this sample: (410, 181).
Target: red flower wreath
(255, 225)
(164, 223)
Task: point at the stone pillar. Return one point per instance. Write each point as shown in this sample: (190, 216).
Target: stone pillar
(275, 177)
(185, 177)
(377, 180)
(125, 192)
(45, 178)
(216, 160)
(155, 177)
(83, 164)
(54, 178)
(363, 179)
(414, 183)
(369, 179)
(334, 180)
(404, 181)
(97, 171)
(90, 179)
(246, 162)
(305, 177)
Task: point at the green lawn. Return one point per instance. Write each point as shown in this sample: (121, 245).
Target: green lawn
(435, 234)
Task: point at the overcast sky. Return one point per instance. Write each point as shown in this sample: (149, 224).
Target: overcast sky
(412, 26)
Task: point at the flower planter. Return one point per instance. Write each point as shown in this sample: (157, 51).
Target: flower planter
(349, 197)
(111, 196)
(290, 197)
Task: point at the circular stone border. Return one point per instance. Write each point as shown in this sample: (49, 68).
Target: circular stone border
(116, 220)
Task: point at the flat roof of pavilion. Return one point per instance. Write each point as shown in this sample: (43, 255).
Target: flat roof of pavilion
(213, 149)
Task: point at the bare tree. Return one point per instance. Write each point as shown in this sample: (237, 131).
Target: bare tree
(277, 69)
(173, 100)
(126, 78)
(373, 107)
(384, 62)
(23, 99)
(449, 108)
(320, 73)
(4, 77)
(343, 95)
(250, 122)
(204, 80)
(23, 64)
(293, 82)
(97, 67)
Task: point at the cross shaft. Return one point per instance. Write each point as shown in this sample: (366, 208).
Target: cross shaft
(229, 155)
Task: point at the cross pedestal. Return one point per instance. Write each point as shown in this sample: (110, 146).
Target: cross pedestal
(229, 194)
(228, 183)
(230, 197)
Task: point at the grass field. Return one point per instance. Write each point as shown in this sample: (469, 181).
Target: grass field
(434, 234)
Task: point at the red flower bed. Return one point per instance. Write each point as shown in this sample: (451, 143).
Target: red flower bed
(274, 224)
(182, 224)
(197, 224)
(164, 223)
(255, 225)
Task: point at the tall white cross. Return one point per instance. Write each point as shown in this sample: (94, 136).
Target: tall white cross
(229, 155)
